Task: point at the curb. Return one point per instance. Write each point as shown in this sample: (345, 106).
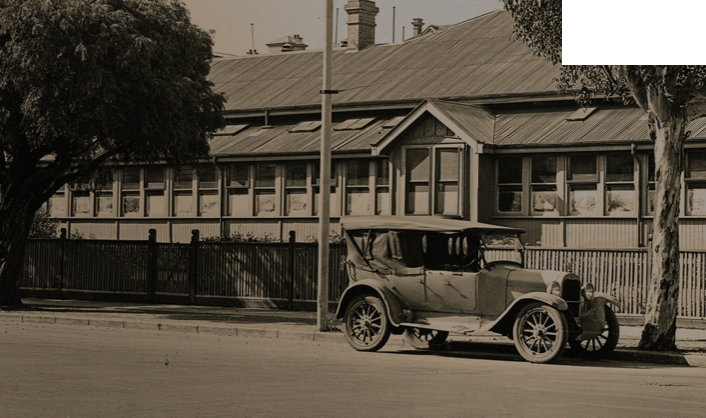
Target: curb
(629, 355)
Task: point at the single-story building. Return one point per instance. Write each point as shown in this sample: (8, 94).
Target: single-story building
(459, 120)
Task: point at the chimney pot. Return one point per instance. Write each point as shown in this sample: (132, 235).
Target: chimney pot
(418, 24)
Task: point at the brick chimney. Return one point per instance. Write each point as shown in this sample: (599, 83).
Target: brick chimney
(418, 24)
(361, 23)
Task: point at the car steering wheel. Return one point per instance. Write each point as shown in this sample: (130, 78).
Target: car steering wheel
(466, 262)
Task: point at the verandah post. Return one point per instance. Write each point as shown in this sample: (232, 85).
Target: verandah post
(193, 265)
(152, 264)
(62, 255)
(290, 267)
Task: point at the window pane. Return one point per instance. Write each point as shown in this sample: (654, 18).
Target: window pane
(239, 175)
(620, 199)
(543, 169)
(582, 167)
(383, 173)
(696, 199)
(447, 165)
(696, 165)
(446, 202)
(104, 204)
(296, 201)
(510, 169)
(358, 173)
(418, 164)
(296, 175)
(619, 167)
(651, 193)
(383, 201)
(266, 174)
(57, 204)
(335, 200)
(544, 198)
(208, 177)
(131, 178)
(208, 204)
(154, 178)
(81, 204)
(317, 174)
(239, 203)
(131, 204)
(357, 201)
(583, 199)
(265, 202)
(183, 177)
(104, 181)
(510, 199)
(183, 203)
(417, 199)
(651, 168)
(156, 204)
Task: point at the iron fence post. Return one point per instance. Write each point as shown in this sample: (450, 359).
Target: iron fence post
(62, 254)
(290, 267)
(152, 265)
(193, 265)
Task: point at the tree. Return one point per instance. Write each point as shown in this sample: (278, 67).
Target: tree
(43, 225)
(671, 96)
(86, 81)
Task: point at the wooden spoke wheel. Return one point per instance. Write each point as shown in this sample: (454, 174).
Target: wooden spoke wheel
(604, 344)
(422, 339)
(540, 333)
(366, 324)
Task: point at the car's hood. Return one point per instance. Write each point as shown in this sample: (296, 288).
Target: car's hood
(521, 281)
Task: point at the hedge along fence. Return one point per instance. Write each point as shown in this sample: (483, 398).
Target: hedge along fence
(281, 272)
(624, 273)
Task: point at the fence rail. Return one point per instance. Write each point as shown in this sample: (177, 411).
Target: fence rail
(286, 272)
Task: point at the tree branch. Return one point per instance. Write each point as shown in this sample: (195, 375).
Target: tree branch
(636, 86)
(696, 106)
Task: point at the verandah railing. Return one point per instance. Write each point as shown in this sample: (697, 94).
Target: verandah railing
(286, 272)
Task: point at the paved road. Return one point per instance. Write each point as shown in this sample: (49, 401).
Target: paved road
(69, 371)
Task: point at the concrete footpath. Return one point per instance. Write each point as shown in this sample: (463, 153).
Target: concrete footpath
(297, 325)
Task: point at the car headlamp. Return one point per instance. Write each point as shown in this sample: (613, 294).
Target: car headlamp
(587, 291)
(554, 289)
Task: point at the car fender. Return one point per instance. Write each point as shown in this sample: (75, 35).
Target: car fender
(592, 315)
(395, 308)
(507, 318)
(609, 298)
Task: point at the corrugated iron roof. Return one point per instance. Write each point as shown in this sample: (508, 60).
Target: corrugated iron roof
(476, 57)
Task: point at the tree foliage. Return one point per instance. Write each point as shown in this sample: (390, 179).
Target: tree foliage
(86, 81)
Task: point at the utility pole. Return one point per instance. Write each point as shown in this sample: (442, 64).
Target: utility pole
(325, 175)
(393, 24)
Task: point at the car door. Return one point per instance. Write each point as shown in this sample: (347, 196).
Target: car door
(450, 291)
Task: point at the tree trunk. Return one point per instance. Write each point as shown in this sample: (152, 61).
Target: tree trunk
(16, 216)
(663, 297)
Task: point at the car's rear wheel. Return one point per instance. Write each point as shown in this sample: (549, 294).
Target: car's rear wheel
(366, 324)
(540, 333)
(603, 345)
(422, 339)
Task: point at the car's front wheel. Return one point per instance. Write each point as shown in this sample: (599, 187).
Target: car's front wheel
(366, 324)
(540, 333)
(604, 344)
(423, 339)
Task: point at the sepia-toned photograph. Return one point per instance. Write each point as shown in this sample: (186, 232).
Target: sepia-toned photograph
(351, 208)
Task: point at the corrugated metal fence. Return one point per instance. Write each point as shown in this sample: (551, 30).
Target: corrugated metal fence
(286, 272)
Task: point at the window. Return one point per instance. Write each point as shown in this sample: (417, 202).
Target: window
(80, 199)
(104, 195)
(510, 184)
(583, 185)
(543, 184)
(265, 192)
(208, 191)
(695, 179)
(238, 189)
(155, 202)
(335, 195)
(358, 187)
(651, 189)
(57, 203)
(446, 187)
(130, 197)
(296, 196)
(382, 188)
(183, 203)
(620, 196)
(417, 174)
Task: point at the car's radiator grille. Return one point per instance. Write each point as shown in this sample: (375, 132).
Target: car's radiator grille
(571, 293)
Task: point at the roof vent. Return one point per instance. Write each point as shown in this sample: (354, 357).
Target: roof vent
(581, 114)
(418, 24)
(287, 44)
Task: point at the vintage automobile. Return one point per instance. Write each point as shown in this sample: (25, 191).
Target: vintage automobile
(427, 277)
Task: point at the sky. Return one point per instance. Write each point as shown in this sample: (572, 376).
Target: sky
(273, 19)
